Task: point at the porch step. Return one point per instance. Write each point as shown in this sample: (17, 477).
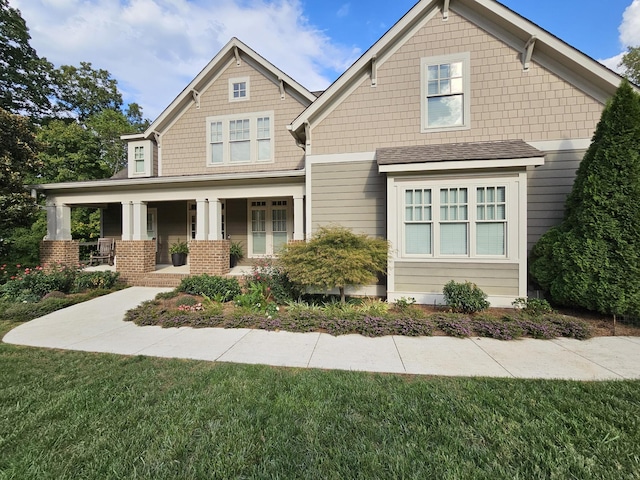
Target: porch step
(160, 280)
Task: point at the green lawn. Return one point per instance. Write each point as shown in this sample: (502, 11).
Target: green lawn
(79, 415)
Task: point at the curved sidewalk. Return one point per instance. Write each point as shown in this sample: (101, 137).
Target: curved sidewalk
(97, 326)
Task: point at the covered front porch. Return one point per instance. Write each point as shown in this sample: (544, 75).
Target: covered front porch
(145, 223)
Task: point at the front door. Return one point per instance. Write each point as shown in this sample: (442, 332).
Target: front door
(152, 225)
(269, 225)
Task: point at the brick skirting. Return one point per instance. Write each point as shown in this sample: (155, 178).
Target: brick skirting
(209, 256)
(59, 252)
(135, 258)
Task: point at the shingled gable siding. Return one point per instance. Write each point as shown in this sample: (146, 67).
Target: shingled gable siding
(506, 103)
(492, 278)
(184, 143)
(549, 186)
(351, 194)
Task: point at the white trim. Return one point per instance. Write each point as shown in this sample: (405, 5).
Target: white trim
(499, 301)
(522, 233)
(560, 145)
(425, 62)
(238, 80)
(147, 147)
(92, 184)
(341, 157)
(461, 165)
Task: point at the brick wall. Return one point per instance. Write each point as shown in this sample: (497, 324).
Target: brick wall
(135, 258)
(65, 252)
(209, 256)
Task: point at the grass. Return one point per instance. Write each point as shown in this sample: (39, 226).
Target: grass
(81, 415)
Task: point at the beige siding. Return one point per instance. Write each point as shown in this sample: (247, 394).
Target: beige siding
(184, 143)
(493, 279)
(349, 194)
(506, 103)
(548, 188)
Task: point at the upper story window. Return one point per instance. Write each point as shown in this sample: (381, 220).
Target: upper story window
(238, 89)
(445, 92)
(243, 138)
(140, 158)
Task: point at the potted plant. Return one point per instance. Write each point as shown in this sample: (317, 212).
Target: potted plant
(235, 253)
(178, 251)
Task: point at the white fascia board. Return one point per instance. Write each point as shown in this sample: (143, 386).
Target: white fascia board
(341, 158)
(187, 179)
(560, 145)
(393, 34)
(461, 165)
(132, 136)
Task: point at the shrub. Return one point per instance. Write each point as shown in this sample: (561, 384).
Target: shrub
(465, 297)
(186, 300)
(274, 278)
(454, 325)
(22, 312)
(501, 328)
(90, 280)
(532, 306)
(218, 288)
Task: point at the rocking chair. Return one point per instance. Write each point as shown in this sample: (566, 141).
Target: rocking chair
(105, 251)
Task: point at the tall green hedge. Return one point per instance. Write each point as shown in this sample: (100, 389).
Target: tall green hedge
(592, 259)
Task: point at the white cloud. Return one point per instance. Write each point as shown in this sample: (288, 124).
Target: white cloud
(155, 47)
(629, 35)
(343, 11)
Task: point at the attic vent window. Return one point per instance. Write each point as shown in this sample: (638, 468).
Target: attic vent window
(238, 89)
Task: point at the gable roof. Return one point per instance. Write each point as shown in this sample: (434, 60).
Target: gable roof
(234, 49)
(582, 71)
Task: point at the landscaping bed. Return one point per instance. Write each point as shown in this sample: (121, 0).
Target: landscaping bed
(367, 317)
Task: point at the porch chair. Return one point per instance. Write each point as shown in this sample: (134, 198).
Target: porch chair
(105, 251)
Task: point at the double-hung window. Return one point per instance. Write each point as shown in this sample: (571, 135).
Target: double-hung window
(138, 157)
(445, 92)
(236, 139)
(455, 221)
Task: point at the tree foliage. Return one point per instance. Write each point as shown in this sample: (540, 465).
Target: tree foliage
(83, 91)
(335, 257)
(631, 64)
(25, 78)
(592, 259)
(18, 158)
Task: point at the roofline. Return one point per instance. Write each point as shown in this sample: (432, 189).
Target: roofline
(223, 56)
(571, 56)
(166, 180)
(461, 165)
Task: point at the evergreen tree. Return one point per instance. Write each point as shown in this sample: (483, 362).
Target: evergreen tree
(592, 259)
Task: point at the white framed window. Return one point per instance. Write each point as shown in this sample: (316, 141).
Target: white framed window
(140, 156)
(270, 223)
(445, 87)
(238, 89)
(236, 139)
(442, 220)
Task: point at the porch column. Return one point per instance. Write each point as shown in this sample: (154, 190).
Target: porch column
(127, 221)
(202, 220)
(140, 221)
(51, 222)
(215, 219)
(298, 217)
(63, 222)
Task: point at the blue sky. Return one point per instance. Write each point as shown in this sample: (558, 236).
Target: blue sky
(155, 47)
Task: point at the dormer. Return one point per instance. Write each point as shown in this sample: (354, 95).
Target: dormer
(140, 156)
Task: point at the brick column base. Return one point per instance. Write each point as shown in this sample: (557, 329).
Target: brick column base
(209, 256)
(135, 258)
(59, 252)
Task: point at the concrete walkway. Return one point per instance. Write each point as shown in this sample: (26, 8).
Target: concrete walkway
(97, 326)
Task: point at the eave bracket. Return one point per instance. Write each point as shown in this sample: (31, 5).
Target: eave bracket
(445, 10)
(374, 71)
(528, 52)
(196, 97)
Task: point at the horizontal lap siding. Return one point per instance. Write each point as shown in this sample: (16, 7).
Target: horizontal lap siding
(493, 279)
(549, 186)
(349, 194)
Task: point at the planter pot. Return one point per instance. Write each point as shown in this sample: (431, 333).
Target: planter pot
(178, 259)
(233, 261)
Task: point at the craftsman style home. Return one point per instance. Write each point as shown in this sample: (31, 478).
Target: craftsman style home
(456, 136)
